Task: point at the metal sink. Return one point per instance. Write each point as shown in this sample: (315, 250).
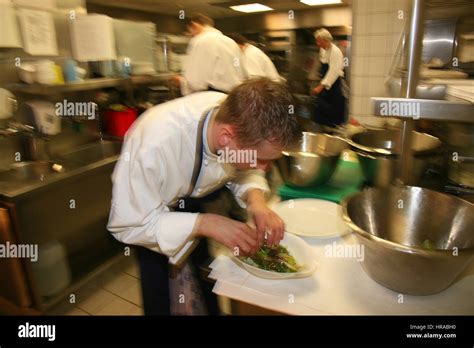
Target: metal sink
(31, 171)
(25, 177)
(92, 153)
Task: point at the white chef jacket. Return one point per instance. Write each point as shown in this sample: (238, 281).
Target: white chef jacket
(155, 170)
(212, 60)
(334, 57)
(257, 64)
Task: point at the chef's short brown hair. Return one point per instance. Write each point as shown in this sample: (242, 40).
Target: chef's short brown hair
(201, 19)
(260, 109)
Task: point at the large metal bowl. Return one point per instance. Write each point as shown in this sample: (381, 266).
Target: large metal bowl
(416, 241)
(313, 161)
(378, 154)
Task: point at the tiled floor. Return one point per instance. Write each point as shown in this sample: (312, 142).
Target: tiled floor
(114, 292)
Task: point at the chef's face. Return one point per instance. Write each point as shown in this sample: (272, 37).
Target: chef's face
(322, 43)
(260, 156)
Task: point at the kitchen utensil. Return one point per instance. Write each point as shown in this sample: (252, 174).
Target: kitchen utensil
(416, 241)
(299, 249)
(378, 150)
(313, 161)
(312, 218)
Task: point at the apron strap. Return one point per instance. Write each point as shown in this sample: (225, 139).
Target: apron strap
(199, 150)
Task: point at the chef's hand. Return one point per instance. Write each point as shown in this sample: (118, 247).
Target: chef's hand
(270, 227)
(317, 90)
(240, 238)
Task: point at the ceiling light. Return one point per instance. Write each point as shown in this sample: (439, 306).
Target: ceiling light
(251, 8)
(320, 2)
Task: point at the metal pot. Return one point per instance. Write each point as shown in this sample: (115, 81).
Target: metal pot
(378, 154)
(416, 241)
(313, 161)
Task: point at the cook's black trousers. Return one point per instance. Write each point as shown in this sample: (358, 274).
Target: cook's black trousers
(154, 267)
(154, 273)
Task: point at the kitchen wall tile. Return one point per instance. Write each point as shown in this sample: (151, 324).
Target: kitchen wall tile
(396, 23)
(376, 87)
(371, 5)
(388, 64)
(361, 86)
(361, 24)
(379, 23)
(359, 45)
(401, 5)
(377, 45)
(376, 66)
(358, 66)
(356, 105)
(360, 6)
(392, 43)
(381, 6)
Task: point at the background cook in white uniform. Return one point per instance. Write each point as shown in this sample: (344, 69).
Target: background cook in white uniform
(212, 61)
(155, 170)
(254, 61)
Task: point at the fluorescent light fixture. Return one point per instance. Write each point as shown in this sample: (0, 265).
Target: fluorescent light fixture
(248, 8)
(320, 2)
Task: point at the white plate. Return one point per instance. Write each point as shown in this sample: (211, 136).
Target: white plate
(299, 249)
(312, 217)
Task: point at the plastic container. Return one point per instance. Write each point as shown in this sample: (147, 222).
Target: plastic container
(51, 270)
(119, 119)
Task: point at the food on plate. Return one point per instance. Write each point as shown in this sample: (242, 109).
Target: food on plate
(275, 259)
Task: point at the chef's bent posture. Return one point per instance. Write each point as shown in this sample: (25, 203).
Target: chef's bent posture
(175, 150)
(212, 60)
(331, 100)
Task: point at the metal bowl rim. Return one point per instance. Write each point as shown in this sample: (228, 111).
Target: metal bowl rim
(387, 243)
(381, 151)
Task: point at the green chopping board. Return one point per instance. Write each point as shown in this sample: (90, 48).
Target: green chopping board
(346, 180)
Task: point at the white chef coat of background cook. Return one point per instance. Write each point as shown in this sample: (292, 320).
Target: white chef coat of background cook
(213, 60)
(335, 59)
(155, 170)
(257, 64)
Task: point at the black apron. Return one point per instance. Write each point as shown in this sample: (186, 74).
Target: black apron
(330, 104)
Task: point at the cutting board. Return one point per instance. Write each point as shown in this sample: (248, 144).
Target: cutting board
(346, 180)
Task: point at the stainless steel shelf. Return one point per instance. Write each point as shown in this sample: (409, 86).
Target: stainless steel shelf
(87, 85)
(78, 86)
(452, 110)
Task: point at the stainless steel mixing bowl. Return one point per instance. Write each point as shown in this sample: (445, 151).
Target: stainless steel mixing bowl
(378, 150)
(416, 241)
(313, 161)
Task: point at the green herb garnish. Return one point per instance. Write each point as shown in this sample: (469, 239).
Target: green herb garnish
(276, 259)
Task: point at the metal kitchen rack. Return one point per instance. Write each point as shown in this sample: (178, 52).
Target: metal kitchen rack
(450, 109)
(89, 84)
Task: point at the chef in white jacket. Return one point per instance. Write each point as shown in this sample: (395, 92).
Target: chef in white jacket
(330, 107)
(157, 167)
(212, 61)
(254, 61)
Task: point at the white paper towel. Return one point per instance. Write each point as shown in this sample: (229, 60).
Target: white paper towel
(338, 287)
